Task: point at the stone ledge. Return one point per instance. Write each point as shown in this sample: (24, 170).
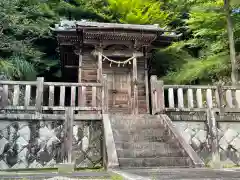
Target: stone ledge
(65, 167)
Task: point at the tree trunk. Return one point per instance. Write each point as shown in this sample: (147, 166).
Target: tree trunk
(234, 74)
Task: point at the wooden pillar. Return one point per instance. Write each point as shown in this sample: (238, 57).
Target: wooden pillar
(79, 75)
(135, 86)
(146, 83)
(99, 74)
(104, 95)
(153, 94)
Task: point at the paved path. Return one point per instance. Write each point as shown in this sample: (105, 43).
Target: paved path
(180, 174)
(138, 174)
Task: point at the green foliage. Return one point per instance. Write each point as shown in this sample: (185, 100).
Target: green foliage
(25, 24)
(84, 9)
(209, 42)
(28, 47)
(139, 12)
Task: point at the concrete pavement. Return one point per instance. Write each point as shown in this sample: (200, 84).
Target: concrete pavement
(180, 174)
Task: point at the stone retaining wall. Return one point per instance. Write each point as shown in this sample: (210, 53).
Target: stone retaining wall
(40, 144)
(194, 128)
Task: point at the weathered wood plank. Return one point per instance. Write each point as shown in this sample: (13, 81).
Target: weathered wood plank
(62, 95)
(27, 95)
(73, 96)
(72, 84)
(190, 98)
(171, 98)
(16, 93)
(94, 96)
(180, 98)
(209, 98)
(51, 96)
(229, 98)
(39, 97)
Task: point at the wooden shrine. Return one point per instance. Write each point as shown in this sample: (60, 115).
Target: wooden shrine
(90, 49)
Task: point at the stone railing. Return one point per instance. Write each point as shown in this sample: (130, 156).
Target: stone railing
(208, 118)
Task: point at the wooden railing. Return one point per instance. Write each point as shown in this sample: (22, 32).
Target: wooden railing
(193, 97)
(40, 96)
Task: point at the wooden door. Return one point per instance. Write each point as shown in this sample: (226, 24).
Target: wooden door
(119, 85)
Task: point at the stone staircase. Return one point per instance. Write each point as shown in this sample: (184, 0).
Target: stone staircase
(144, 141)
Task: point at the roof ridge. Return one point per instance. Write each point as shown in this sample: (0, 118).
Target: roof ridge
(68, 24)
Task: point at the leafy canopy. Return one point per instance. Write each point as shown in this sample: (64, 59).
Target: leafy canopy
(209, 42)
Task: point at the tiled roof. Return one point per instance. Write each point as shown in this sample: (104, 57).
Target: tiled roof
(66, 25)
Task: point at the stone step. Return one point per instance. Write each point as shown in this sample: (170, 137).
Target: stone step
(140, 135)
(135, 117)
(148, 139)
(155, 162)
(144, 145)
(136, 122)
(132, 119)
(148, 152)
(137, 138)
(138, 127)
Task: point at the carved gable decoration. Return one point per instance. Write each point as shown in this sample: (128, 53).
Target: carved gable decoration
(117, 47)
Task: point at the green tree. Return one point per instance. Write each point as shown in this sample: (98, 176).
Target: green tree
(28, 46)
(24, 32)
(234, 73)
(207, 46)
(139, 12)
